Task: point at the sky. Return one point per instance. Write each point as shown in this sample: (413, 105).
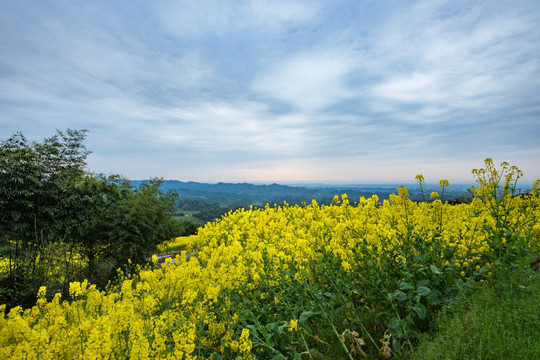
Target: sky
(278, 91)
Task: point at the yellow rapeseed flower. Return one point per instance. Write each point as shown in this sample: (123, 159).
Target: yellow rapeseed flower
(402, 191)
(293, 326)
(444, 183)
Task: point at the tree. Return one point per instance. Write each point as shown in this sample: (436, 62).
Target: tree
(53, 210)
(19, 189)
(141, 220)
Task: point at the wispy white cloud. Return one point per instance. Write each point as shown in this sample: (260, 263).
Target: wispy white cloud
(235, 127)
(187, 19)
(305, 90)
(467, 60)
(309, 82)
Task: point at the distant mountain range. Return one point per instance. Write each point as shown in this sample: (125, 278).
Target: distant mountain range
(245, 194)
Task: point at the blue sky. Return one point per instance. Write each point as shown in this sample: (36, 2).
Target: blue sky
(284, 91)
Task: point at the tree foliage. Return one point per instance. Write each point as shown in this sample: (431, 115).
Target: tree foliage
(59, 222)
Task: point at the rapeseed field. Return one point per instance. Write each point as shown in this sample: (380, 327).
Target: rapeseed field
(358, 278)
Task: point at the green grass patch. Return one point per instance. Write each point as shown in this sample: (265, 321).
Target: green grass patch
(500, 320)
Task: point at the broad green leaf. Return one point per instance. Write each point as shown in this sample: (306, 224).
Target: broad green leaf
(420, 309)
(253, 329)
(273, 326)
(434, 269)
(433, 298)
(405, 286)
(399, 295)
(395, 326)
(329, 295)
(304, 317)
(422, 290)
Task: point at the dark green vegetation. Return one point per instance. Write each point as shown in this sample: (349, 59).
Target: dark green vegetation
(499, 320)
(200, 212)
(60, 223)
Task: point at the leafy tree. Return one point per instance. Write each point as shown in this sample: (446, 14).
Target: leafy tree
(20, 193)
(187, 227)
(141, 220)
(129, 225)
(19, 188)
(52, 209)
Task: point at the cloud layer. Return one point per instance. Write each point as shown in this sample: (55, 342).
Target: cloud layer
(278, 90)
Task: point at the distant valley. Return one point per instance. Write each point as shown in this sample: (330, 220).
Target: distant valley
(202, 202)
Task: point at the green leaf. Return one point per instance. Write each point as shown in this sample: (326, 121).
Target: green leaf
(448, 253)
(253, 329)
(434, 269)
(433, 298)
(329, 295)
(282, 328)
(423, 291)
(274, 327)
(405, 286)
(420, 310)
(395, 326)
(484, 270)
(399, 295)
(304, 317)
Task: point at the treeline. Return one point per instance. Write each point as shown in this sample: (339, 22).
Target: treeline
(60, 223)
(203, 211)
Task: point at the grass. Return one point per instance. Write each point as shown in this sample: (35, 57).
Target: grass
(499, 320)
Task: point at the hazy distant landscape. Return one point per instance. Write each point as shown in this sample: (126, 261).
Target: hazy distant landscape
(246, 194)
(202, 202)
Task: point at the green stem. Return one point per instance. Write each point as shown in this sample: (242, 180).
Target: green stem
(306, 345)
(355, 314)
(269, 347)
(407, 337)
(336, 332)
